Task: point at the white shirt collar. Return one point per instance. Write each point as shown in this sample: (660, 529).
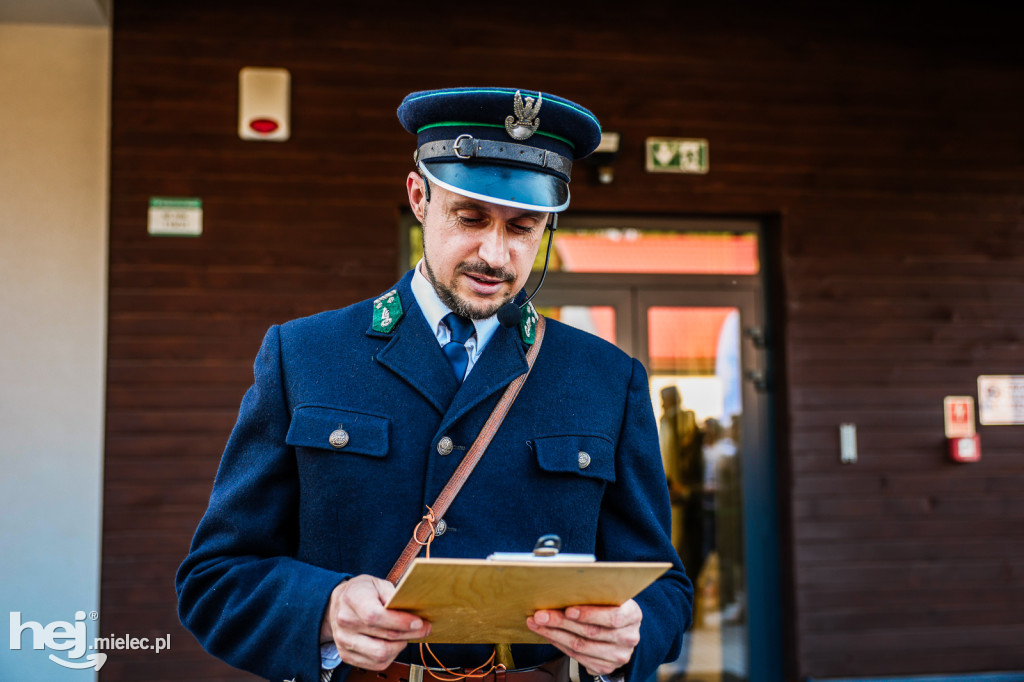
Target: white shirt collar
(435, 310)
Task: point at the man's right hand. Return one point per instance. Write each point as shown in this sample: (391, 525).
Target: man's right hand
(367, 635)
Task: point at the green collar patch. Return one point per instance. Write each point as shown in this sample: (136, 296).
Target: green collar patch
(528, 324)
(387, 311)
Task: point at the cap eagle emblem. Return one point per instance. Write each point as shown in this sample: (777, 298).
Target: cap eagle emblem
(526, 122)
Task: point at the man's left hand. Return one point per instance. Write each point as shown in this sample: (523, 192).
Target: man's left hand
(601, 638)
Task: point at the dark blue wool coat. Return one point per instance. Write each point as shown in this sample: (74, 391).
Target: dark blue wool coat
(290, 516)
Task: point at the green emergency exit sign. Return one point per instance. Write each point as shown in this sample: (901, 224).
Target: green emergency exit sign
(677, 155)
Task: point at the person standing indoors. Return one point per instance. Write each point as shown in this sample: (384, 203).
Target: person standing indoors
(358, 418)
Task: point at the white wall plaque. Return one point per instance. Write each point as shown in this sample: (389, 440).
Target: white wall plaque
(1001, 399)
(175, 217)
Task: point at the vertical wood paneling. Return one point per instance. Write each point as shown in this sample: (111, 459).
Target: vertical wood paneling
(884, 144)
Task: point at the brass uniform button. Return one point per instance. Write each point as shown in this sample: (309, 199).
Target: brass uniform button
(584, 460)
(338, 438)
(445, 446)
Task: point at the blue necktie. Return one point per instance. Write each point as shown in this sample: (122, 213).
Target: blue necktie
(461, 329)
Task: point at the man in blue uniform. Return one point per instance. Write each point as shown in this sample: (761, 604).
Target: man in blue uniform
(358, 417)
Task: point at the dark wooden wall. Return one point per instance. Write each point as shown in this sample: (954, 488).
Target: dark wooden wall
(885, 146)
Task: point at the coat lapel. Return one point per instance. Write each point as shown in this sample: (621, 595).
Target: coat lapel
(414, 354)
(501, 362)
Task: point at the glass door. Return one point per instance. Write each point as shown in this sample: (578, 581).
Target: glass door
(697, 361)
(701, 350)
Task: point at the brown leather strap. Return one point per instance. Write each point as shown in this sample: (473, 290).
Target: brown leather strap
(422, 532)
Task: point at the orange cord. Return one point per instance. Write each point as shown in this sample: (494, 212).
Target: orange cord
(455, 676)
(429, 518)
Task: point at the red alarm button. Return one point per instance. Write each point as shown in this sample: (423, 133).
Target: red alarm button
(264, 126)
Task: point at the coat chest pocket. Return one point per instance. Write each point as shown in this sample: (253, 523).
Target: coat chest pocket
(586, 456)
(336, 430)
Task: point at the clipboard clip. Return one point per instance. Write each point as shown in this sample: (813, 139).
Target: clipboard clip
(547, 545)
(548, 548)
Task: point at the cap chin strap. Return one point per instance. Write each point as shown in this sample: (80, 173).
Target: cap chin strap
(426, 188)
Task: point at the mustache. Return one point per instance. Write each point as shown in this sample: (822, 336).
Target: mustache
(481, 268)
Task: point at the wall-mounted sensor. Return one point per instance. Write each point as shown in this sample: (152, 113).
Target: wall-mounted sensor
(848, 443)
(264, 104)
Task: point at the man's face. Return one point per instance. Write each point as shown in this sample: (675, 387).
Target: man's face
(477, 254)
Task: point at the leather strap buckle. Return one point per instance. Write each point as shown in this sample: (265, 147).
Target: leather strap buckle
(461, 143)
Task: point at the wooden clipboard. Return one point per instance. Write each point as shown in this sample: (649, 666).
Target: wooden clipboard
(483, 601)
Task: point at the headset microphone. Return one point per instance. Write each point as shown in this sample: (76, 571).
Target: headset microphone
(510, 313)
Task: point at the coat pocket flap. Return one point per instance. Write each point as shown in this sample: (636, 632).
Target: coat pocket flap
(337, 430)
(592, 456)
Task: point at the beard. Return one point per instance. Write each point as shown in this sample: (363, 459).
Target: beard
(459, 305)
